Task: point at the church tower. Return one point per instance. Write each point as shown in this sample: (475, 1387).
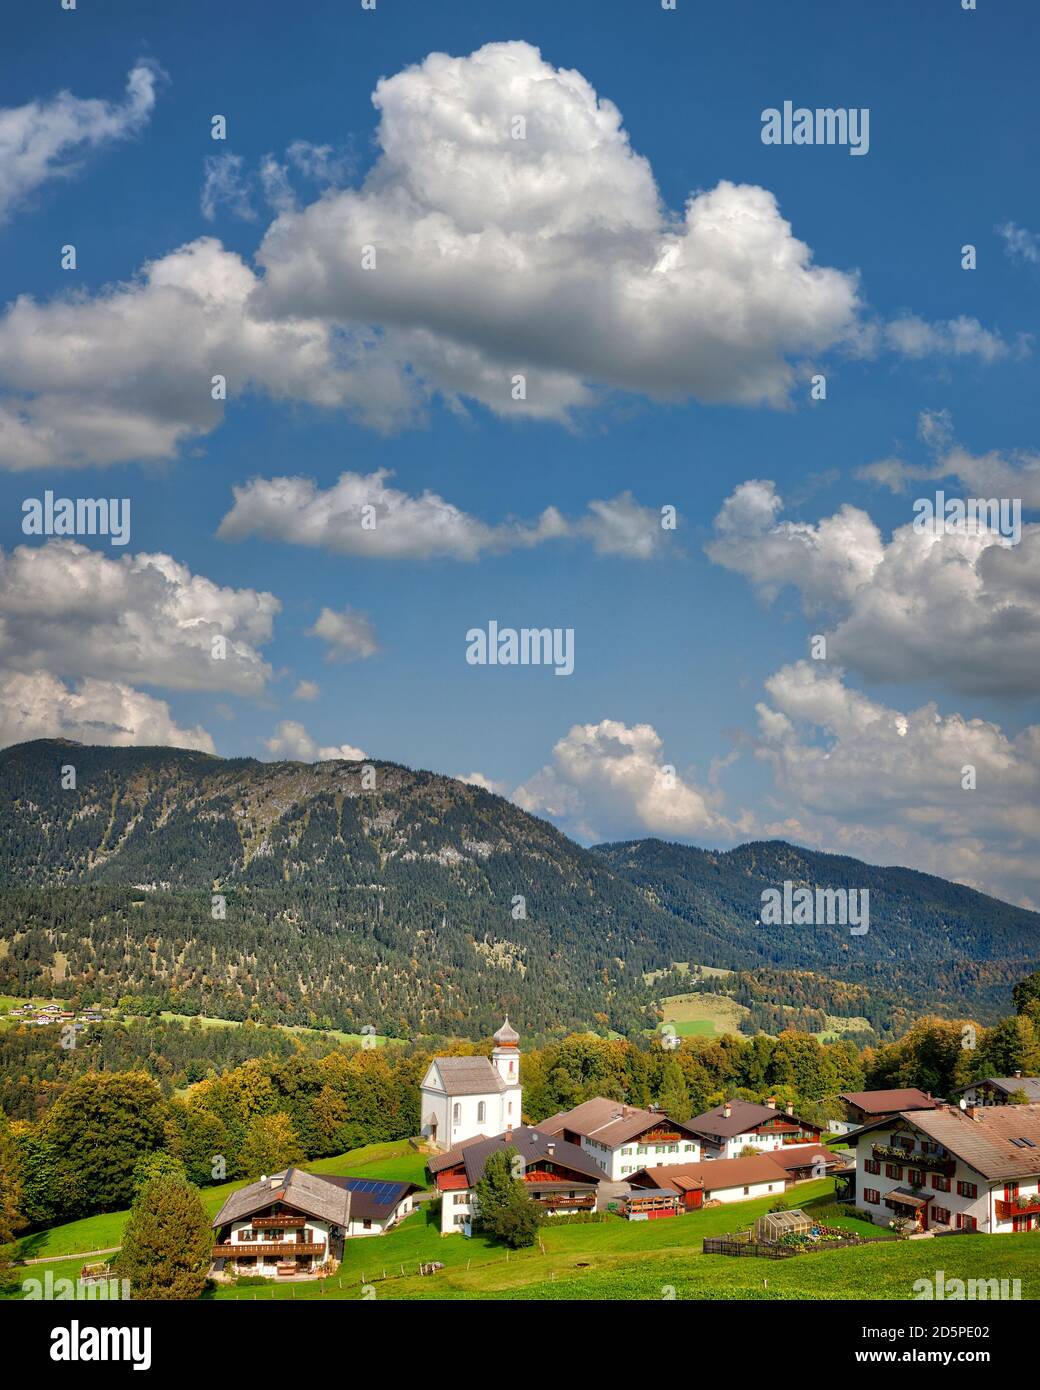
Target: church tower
(506, 1056)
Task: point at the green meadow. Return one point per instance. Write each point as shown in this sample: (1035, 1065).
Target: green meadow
(612, 1259)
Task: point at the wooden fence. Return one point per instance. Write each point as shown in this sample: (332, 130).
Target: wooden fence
(729, 1245)
(740, 1243)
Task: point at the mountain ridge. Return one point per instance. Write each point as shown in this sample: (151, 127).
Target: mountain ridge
(421, 904)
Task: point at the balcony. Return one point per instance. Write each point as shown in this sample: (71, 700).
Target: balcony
(580, 1202)
(1028, 1204)
(240, 1249)
(935, 1163)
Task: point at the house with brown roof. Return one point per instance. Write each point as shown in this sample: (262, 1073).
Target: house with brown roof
(558, 1174)
(621, 1138)
(717, 1180)
(294, 1223)
(736, 1125)
(974, 1168)
(999, 1090)
(862, 1107)
(803, 1161)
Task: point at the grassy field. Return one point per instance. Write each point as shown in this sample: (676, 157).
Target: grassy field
(708, 1014)
(10, 1001)
(618, 1259)
(652, 1260)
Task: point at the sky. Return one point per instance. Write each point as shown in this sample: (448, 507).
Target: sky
(518, 320)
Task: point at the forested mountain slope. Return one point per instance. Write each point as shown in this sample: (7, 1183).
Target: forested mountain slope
(420, 904)
(937, 943)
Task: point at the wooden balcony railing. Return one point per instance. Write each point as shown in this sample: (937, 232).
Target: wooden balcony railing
(240, 1249)
(583, 1201)
(935, 1163)
(1018, 1206)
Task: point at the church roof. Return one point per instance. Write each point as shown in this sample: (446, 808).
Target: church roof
(507, 1036)
(469, 1076)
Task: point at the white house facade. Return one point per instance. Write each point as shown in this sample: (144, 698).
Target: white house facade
(466, 1097)
(737, 1125)
(558, 1176)
(622, 1139)
(974, 1168)
(295, 1223)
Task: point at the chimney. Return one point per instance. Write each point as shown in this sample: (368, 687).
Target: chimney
(790, 1109)
(974, 1112)
(551, 1147)
(727, 1111)
(509, 1132)
(771, 1102)
(1018, 1075)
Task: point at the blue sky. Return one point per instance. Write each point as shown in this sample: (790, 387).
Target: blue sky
(927, 364)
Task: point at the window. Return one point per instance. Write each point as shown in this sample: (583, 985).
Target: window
(460, 1198)
(915, 1177)
(689, 1148)
(939, 1183)
(872, 1195)
(456, 1113)
(366, 1225)
(966, 1223)
(746, 1191)
(940, 1216)
(967, 1189)
(871, 1165)
(461, 1220)
(893, 1170)
(481, 1112)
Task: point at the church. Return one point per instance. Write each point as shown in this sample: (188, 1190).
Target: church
(467, 1098)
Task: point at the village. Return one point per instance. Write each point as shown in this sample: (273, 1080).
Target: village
(901, 1159)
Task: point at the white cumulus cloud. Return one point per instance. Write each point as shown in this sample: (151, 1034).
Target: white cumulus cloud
(960, 605)
(292, 742)
(363, 515)
(36, 704)
(348, 634)
(144, 618)
(46, 140)
(612, 780)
